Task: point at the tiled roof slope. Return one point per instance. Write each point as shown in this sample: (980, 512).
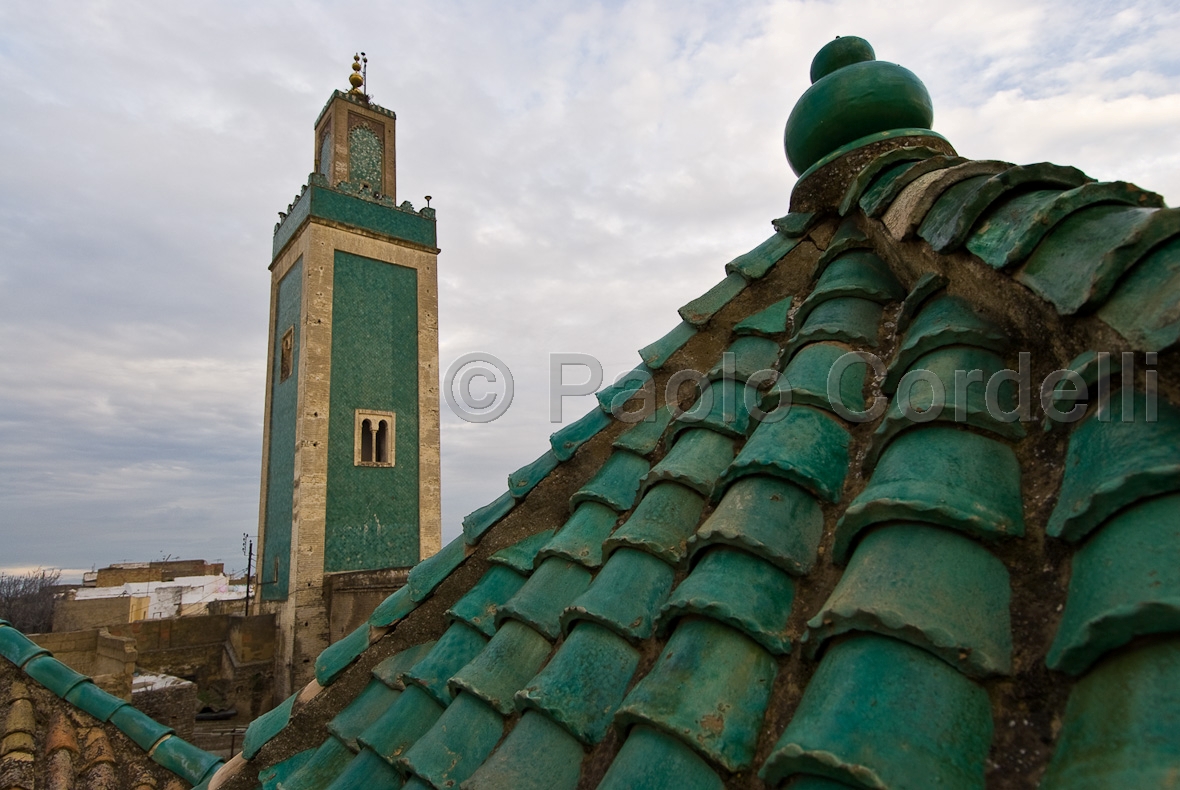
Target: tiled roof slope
(60, 731)
(757, 594)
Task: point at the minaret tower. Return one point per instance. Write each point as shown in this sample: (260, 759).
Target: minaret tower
(350, 455)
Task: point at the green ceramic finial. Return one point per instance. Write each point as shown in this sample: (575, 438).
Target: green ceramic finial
(853, 95)
(843, 51)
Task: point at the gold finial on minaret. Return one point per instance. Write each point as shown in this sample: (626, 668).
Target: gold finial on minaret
(355, 79)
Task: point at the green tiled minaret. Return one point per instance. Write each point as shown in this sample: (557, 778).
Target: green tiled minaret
(350, 464)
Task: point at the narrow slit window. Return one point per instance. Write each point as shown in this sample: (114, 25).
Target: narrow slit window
(376, 433)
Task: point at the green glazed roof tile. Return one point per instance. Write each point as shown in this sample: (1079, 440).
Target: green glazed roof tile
(390, 670)
(525, 479)
(267, 726)
(53, 674)
(848, 319)
(951, 232)
(888, 161)
(651, 760)
(456, 745)
(536, 755)
(510, 659)
(847, 237)
(962, 401)
(95, 701)
(521, 555)
(778, 521)
(661, 524)
(904, 216)
(478, 605)
(754, 264)
(477, 522)
(429, 573)
(143, 730)
(269, 778)
(943, 321)
(1143, 306)
(1119, 728)
(738, 589)
(806, 379)
(364, 709)
(881, 185)
(700, 310)
(17, 647)
(769, 322)
(710, 687)
(1077, 265)
(1090, 366)
(858, 273)
(724, 407)
(213, 769)
(1012, 224)
(655, 355)
(541, 599)
(414, 712)
(612, 399)
(1124, 582)
(615, 484)
(367, 771)
(454, 649)
(881, 713)
(949, 205)
(393, 608)
(644, 437)
(318, 771)
(185, 760)
(747, 355)
(800, 444)
(1110, 465)
(338, 656)
(566, 441)
(928, 284)
(880, 196)
(696, 460)
(795, 225)
(927, 586)
(1011, 231)
(584, 682)
(580, 538)
(939, 475)
(625, 595)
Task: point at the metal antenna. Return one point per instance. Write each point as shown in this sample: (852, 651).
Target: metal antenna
(365, 73)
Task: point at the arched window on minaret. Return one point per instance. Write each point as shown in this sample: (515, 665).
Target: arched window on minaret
(374, 441)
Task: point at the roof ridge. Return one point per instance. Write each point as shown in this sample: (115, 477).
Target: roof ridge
(161, 744)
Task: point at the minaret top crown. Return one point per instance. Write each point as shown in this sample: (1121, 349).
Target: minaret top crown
(357, 78)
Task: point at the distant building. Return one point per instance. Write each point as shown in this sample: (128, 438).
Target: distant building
(350, 462)
(132, 591)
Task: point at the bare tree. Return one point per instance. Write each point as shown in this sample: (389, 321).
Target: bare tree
(26, 600)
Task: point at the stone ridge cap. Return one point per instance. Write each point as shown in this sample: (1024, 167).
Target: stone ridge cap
(1017, 223)
(64, 682)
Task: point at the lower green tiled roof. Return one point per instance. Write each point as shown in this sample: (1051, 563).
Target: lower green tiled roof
(35, 664)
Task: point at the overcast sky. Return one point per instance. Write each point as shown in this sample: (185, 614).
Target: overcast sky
(594, 166)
